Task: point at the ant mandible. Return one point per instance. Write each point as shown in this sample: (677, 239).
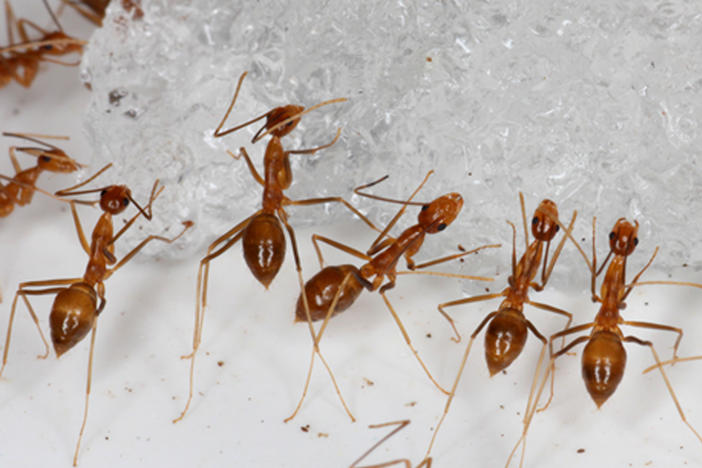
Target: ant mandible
(261, 234)
(335, 288)
(79, 301)
(604, 356)
(22, 63)
(20, 188)
(506, 333)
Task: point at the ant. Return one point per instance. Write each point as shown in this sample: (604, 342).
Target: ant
(335, 288)
(20, 188)
(94, 10)
(604, 356)
(79, 301)
(426, 463)
(261, 234)
(22, 63)
(507, 327)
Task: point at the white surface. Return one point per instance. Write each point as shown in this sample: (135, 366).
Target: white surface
(139, 384)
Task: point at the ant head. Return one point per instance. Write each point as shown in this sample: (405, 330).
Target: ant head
(279, 114)
(59, 49)
(438, 214)
(55, 160)
(623, 238)
(543, 224)
(115, 199)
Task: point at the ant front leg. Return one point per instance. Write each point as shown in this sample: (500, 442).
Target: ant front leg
(24, 292)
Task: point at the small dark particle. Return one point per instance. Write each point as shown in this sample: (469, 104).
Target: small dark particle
(581, 450)
(684, 265)
(461, 248)
(428, 59)
(368, 382)
(131, 113)
(462, 260)
(107, 437)
(582, 240)
(502, 406)
(322, 435)
(487, 289)
(646, 304)
(220, 363)
(470, 174)
(504, 372)
(305, 428)
(653, 64)
(411, 404)
(428, 335)
(116, 96)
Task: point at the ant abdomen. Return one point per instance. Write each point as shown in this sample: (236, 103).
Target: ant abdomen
(264, 247)
(604, 360)
(321, 289)
(504, 339)
(72, 316)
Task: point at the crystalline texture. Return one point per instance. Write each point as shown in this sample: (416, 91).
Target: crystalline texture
(596, 105)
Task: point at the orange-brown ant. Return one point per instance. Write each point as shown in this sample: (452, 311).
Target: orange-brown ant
(507, 327)
(335, 288)
(20, 188)
(20, 61)
(79, 301)
(94, 10)
(261, 234)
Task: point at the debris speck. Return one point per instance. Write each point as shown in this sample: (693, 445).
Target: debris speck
(322, 435)
(411, 404)
(220, 363)
(581, 450)
(305, 428)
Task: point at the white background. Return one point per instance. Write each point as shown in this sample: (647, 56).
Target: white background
(139, 384)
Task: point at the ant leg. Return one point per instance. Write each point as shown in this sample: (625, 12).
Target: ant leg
(533, 401)
(315, 349)
(186, 225)
(242, 152)
(466, 300)
(658, 326)
(562, 351)
(316, 238)
(453, 256)
(316, 201)
(638, 275)
(407, 339)
(400, 425)
(315, 338)
(633, 339)
(452, 394)
(13, 159)
(87, 393)
(314, 150)
(231, 237)
(23, 292)
(555, 310)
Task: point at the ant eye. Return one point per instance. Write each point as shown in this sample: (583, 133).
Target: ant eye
(557, 227)
(47, 47)
(611, 235)
(125, 201)
(636, 241)
(102, 194)
(44, 158)
(425, 207)
(535, 221)
(441, 227)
